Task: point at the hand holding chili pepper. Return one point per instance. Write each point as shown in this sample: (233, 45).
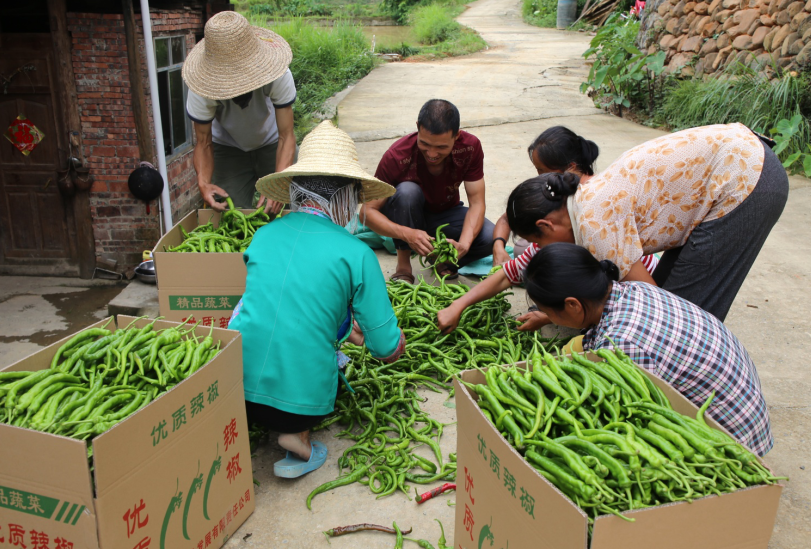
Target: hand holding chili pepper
(271, 207)
(356, 337)
(448, 319)
(210, 193)
(461, 248)
(419, 241)
(533, 320)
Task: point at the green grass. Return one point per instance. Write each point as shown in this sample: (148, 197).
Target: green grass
(433, 24)
(740, 95)
(435, 27)
(316, 9)
(544, 13)
(325, 61)
(467, 41)
(541, 13)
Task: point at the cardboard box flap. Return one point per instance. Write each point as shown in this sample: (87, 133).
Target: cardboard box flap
(501, 467)
(740, 520)
(190, 270)
(169, 419)
(195, 488)
(51, 465)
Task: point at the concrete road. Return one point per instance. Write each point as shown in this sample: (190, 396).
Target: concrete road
(527, 81)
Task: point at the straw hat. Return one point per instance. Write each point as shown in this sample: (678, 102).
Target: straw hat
(234, 58)
(326, 150)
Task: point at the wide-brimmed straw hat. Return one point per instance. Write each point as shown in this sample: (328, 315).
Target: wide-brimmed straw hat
(234, 58)
(326, 150)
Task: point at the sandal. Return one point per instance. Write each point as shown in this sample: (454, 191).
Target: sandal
(453, 272)
(402, 277)
(293, 466)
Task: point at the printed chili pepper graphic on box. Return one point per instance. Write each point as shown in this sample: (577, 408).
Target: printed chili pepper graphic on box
(503, 502)
(201, 286)
(175, 474)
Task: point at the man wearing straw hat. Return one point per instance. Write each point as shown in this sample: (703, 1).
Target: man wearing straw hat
(240, 99)
(427, 168)
(309, 282)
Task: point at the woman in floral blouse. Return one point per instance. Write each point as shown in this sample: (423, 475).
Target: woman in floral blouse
(708, 197)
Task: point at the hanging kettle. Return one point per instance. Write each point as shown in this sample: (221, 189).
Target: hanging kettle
(145, 183)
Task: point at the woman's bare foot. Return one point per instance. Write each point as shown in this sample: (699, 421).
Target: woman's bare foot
(298, 443)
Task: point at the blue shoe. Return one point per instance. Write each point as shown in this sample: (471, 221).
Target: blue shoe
(293, 466)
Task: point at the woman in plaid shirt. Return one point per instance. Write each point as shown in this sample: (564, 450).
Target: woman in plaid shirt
(666, 335)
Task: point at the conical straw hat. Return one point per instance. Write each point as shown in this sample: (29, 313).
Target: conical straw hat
(234, 58)
(326, 150)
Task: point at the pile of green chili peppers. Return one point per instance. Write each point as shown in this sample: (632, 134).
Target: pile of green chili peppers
(608, 438)
(100, 377)
(383, 415)
(233, 234)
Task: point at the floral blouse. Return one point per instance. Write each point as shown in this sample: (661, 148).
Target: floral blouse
(654, 195)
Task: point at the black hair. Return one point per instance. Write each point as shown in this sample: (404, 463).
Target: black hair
(536, 198)
(558, 147)
(562, 270)
(439, 116)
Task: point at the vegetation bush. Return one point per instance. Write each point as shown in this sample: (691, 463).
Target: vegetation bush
(772, 102)
(282, 9)
(544, 13)
(325, 61)
(467, 41)
(541, 13)
(290, 8)
(402, 49)
(744, 95)
(621, 75)
(399, 9)
(798, 160)
(433, 24)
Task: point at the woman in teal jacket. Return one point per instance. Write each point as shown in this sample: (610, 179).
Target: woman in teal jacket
(309, 282)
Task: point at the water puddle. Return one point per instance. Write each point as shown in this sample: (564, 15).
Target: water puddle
(41, 319)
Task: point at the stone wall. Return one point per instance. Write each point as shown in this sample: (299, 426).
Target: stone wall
(705, 37)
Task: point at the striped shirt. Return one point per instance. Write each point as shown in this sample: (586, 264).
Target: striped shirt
(514, 269)
(689, 349)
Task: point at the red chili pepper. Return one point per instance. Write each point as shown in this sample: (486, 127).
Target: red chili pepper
(435, 492)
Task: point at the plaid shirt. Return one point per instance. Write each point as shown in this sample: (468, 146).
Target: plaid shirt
(689, 349)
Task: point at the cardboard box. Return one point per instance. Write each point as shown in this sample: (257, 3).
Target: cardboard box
(204, 286)
(142, 468)
(503, 502)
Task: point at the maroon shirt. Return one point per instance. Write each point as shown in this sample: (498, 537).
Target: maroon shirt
(404, 162)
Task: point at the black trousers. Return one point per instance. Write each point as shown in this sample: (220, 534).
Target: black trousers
(407, 208)
(712, 265)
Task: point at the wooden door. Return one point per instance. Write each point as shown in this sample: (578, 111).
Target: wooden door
(37, 223)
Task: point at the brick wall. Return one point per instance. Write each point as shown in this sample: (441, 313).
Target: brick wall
(121, 226)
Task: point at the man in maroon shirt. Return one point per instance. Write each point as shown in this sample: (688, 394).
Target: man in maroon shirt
(426, 168)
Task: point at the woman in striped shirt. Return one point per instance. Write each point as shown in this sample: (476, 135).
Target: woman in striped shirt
(664, 334)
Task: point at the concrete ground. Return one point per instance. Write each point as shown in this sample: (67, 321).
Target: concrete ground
(525, 82)
(37, 311)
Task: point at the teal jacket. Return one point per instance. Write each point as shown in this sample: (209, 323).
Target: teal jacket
(303, 273)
